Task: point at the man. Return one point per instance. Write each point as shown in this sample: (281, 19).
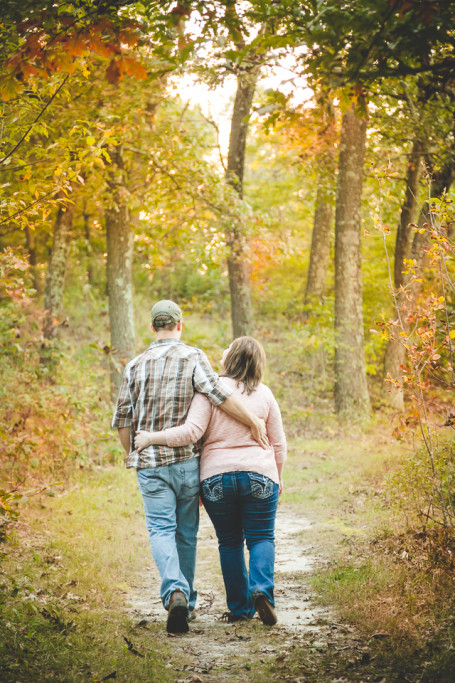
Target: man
(156, 393)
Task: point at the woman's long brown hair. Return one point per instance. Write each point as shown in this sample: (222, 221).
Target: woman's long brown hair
(245, 362)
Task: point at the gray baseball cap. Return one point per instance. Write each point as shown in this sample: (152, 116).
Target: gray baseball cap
(166, 307)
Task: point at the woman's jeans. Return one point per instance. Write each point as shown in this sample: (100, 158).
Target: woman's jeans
(242, 506)
(171, 503)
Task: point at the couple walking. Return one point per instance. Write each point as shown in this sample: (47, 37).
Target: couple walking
(171, 398)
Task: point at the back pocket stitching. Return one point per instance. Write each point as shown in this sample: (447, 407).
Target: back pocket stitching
(261, 486)
(213, 489)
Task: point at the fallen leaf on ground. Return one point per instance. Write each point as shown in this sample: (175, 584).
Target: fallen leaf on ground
(142, 622)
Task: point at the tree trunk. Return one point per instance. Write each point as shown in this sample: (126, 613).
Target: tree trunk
(320, 241)
(351, 391)
(120, 242)
(395, 351)
(88, 248)
(408, 211)
(31, 249)
(56, 270)
(239, 277)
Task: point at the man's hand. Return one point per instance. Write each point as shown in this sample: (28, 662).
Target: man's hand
(234, 407)
(259, 432)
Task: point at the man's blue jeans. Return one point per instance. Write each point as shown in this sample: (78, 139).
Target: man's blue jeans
(242, 506)
(171, 503)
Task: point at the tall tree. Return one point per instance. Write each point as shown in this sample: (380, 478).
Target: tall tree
(395, 351)
(314, 134)
(30, 244)
(351, 391)
(239, 279)
(320, 238)
(56, 270)
(120, 243)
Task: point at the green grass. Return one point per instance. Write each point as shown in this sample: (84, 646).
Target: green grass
(62, 614)
(338, 483)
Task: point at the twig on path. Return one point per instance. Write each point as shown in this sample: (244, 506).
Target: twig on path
(207, 605)
(131, 647)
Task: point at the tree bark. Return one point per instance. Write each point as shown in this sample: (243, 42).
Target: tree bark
(320, 241)
(409, 210)
(88, 248)
(120, 242)
(56, 270)
(239, 277)
(351, 391)
(33, 259)
(395, 351)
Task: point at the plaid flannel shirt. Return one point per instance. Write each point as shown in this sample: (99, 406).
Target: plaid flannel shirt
(156, 393)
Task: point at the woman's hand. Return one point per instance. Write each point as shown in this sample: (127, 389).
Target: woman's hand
(142, 440)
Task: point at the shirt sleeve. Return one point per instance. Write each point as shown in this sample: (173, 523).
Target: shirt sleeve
(123, 415)
(207, 382)
(275, 431)
(194, 426)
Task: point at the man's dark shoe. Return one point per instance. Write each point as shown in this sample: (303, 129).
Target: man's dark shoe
(177, 618)
(265, 610)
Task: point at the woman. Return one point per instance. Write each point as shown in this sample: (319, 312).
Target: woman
(240, 481)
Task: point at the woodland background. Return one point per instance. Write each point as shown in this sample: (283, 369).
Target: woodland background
(324, 228)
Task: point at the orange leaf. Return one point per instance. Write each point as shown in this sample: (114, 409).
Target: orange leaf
(74, 46)
(134, 68)
(102, 48)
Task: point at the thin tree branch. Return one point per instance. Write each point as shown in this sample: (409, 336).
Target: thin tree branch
(215, 126)
(30, 163)
(37, 201)
(36, 119)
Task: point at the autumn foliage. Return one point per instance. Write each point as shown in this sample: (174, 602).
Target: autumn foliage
(55, 43)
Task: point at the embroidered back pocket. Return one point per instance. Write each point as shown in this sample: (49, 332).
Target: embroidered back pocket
(261, 486)
(212, 488)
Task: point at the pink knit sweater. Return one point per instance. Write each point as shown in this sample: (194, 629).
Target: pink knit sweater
(228, 445)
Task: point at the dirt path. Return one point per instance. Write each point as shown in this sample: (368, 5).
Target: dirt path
(216, 651)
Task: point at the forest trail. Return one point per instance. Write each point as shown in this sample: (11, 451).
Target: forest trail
(216, 651)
